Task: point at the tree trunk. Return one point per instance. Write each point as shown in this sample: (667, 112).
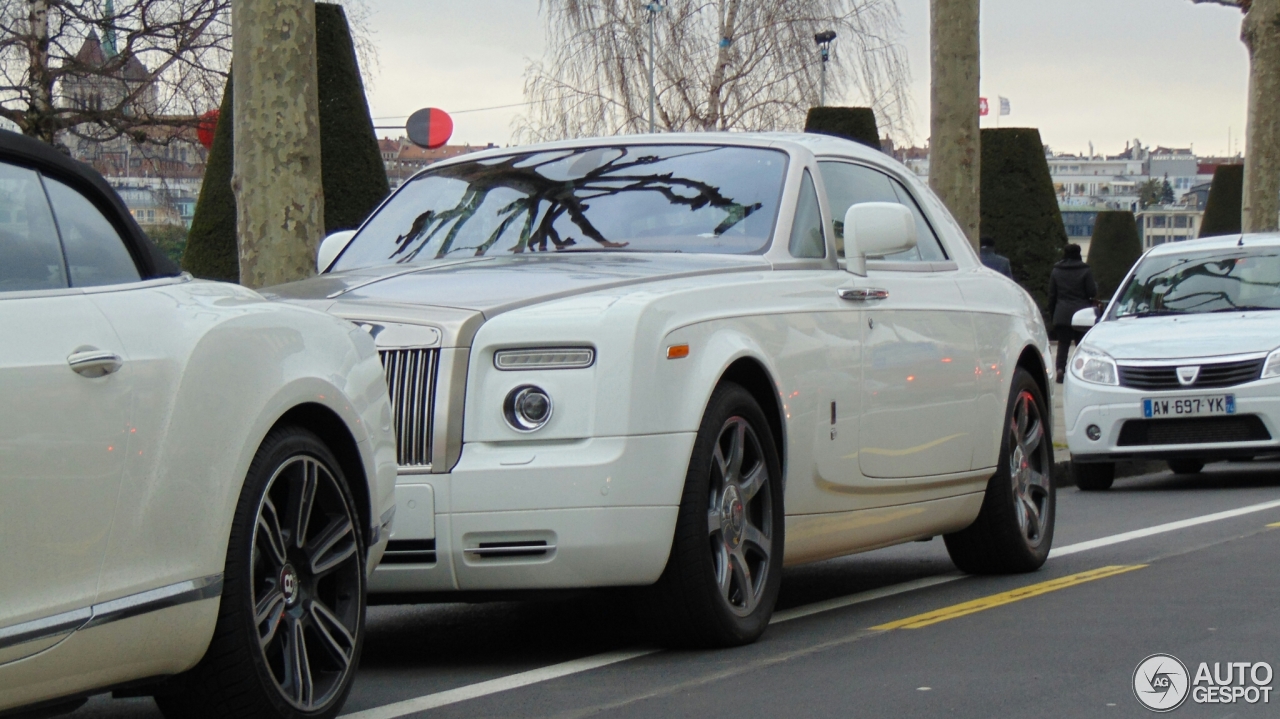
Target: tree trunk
(38, 121)
(276, 180)
(1261, 34)
(955, 154)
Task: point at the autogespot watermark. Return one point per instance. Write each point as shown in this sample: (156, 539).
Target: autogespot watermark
(1162, 683)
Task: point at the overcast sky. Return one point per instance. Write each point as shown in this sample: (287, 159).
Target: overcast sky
(1104, 71)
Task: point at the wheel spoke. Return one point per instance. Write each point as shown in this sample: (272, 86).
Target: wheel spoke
(268, 611)
(337, 640)
(754, 480)
(1032, 512)
(335, 545)
(1021, 416)
(298, 665)
(738, 449)
(300, 517)
(269, 529)
(1031, 440)
(724, 571)
(742, 575)
(1038, 480)
(713, 521)
(754, 537)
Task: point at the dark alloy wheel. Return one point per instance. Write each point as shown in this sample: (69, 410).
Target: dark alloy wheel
(723, 575)
(291, 622)
(1014, 529)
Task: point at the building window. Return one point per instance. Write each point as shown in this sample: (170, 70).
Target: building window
(1158, 221)
(1180, 221)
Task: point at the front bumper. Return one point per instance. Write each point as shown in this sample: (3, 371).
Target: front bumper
(539, 515)
(1109, 408)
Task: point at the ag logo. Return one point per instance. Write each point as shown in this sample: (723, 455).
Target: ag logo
(1161, 682)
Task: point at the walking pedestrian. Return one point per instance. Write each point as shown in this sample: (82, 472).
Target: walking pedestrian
(1071, 289)
(987, 253)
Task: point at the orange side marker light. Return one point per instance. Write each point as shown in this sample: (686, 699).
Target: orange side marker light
(677, 351)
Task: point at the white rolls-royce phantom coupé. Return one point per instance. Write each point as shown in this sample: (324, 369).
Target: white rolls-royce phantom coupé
(684, 361)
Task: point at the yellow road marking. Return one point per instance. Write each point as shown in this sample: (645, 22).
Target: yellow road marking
(1274, 525)
(995, 600)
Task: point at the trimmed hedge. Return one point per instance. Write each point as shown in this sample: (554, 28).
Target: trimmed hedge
(211, 251)
(1113, 250)
(851, 123)
(1019, 207)
(1226, 198)
(351, 170)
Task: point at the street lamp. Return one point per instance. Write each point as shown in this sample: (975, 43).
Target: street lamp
(823, 39)
(654, 7)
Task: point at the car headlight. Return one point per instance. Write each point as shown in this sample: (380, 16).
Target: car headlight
(1096, 366)
(1272, 367)
(527, 408)
(544, 358)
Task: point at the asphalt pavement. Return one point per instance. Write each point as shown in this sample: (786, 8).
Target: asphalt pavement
(1184, 565)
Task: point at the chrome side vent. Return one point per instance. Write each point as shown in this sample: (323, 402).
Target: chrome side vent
(411, 379)
(507, 550)
(410, 551)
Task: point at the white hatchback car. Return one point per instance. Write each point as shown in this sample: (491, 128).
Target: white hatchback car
(1185, 364)
(642, 361)
(194, 482)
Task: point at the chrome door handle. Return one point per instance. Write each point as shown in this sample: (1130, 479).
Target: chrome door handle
(862, 294)
(92, 362)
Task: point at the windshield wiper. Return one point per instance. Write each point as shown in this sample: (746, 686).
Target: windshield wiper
(1152, 313)
(1244, 308)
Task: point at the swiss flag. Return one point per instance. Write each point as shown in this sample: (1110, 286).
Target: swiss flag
(983, 108)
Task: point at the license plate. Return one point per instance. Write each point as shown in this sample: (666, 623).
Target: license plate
(1189, 406)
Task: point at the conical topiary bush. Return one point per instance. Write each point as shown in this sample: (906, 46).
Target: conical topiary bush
(1113, 250)
(851, 123)
(211, 251)
(1226, 198)
(351, 169)
(1020, 208)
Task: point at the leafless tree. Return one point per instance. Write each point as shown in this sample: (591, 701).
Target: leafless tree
(160, 64)
(1260, 32)
(721, 65)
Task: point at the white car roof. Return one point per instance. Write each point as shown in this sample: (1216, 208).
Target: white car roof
(1225, 242)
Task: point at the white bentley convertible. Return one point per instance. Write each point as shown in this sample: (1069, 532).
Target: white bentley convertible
(683, 361)
(193, 481)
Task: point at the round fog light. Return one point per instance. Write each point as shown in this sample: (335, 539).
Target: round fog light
(1093, 432)
(527, 408)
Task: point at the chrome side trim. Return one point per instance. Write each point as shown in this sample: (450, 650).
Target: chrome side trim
(894, 266)
(451, 390)
(1184, 361)
(133, 605)
(192, 590)
(64, 623)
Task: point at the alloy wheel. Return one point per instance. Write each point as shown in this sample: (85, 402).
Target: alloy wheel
(1030, 465)
(306, 583)
(740, 516)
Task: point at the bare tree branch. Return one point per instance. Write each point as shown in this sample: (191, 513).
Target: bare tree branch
(721, 65)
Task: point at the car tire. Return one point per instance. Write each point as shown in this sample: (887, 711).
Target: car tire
(1093, 477)
(722, 577)
(1185, 466)
(1014, 530)
(295, 574)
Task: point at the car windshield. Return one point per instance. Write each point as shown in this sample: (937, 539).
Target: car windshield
(1201, 282)
(668, 198)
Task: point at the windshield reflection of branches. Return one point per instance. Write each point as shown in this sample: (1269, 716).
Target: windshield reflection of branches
(1211, 284)
(543, 201)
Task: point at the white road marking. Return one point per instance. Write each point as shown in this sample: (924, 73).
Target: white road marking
(1160, 529)
(577, 666)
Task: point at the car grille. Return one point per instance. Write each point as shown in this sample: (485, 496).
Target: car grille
(1222, 374)
(1193, 430)
(411, 379)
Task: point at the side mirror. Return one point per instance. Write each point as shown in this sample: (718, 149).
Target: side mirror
(876, 229)
(332, 246)
(1084, 319)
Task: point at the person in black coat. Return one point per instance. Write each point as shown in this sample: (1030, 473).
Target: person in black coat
(987, 253)
(1071, 289)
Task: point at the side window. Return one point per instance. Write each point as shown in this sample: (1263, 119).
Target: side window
(849, 184)
(96, 255)
(30, 258)
(806, 229)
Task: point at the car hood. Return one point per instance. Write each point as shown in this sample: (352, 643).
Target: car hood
(1174, 337)
(492, 285)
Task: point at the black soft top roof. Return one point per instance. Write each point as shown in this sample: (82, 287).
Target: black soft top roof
(22, 150)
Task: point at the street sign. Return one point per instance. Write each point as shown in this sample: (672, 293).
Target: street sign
(205, 129)
(983, 108)
(429, 128)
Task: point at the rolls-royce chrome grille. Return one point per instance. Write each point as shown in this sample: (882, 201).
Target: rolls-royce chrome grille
(411, 379)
